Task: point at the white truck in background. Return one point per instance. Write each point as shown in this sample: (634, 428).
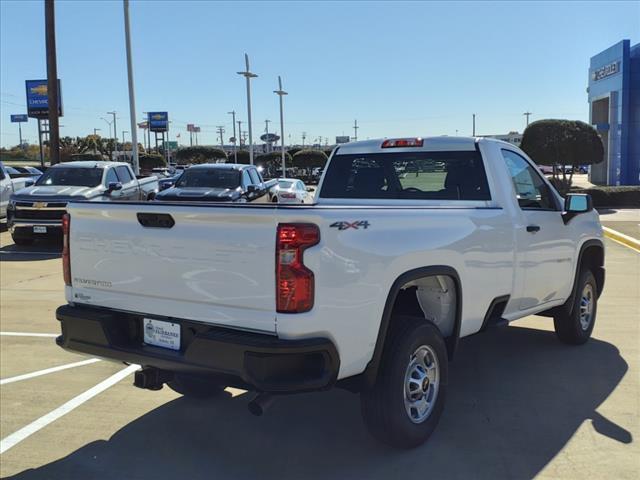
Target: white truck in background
(411, 245)
(8, 186)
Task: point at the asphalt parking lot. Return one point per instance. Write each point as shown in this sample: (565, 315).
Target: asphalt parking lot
(520, 405)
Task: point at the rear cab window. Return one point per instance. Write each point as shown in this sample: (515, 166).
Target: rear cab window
(441, 175)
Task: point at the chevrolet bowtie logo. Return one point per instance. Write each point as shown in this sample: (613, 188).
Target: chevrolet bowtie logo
(39, 204)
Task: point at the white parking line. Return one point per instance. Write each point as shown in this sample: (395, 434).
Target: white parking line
(26, 376)
(27, 334)
(25, 432)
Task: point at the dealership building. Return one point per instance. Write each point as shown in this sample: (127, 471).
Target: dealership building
(614, 110)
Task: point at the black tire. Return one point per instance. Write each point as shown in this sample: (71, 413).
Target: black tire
(274, 200)
(383, 406)
(22, 241)
(194, 386)
(569, 326)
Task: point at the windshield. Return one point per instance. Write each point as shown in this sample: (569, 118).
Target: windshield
(210, 178)
(77, 177)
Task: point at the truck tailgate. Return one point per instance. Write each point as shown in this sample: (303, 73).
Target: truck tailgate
(214, 265)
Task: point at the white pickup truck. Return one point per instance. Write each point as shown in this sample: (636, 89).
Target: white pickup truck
(410, 245)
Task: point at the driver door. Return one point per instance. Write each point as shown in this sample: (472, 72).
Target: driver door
(545, 247)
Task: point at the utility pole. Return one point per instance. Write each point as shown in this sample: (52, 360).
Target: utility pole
(115, 131)
(221, 133)
(108, 123)
(132, 96)
(40, 143)
(240, 132)
(20, 132)
(304, 135)
(474, 125)
(52, 82)
(248, 75)
(355, 130)
(235, 140)
(124, 149)
(527, 114)
(281, 93)
(95, 131)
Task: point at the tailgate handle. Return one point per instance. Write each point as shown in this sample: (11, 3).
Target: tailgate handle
(156, 220)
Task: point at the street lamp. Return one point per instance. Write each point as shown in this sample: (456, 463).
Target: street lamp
(281, 93)
(115, 130)
(95, 130)
(108, 123)
(235, 139)
(248, 75)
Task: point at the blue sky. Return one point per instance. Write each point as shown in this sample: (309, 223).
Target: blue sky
(400, 68)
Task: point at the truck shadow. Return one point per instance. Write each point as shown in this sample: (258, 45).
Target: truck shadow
(516, 397)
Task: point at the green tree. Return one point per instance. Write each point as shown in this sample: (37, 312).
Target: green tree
(149, 162)
(562, 142)
(200, 154)
(310, 159)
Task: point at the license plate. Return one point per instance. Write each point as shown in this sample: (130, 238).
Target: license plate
(39, 229)
(161, 334)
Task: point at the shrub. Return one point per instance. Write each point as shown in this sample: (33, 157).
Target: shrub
(273, 160)
(87, 156)
(243, 157)
(309, 159)
(149, 162)
(200, 154)
(620, 197)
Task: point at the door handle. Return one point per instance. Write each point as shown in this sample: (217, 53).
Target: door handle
(533, 228)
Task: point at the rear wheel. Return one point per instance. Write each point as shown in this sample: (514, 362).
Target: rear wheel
(22, 241)
(575, 328)
(195, 386)
(406, 402)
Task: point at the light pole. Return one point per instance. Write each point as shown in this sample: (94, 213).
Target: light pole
(235, 140)
(527, 114)
(304, 135)
(248, 75)
(115, 131)
(124, 149)
(132, 96)
(95, 130)
(108, 123)
(281, 93)
(474, 125)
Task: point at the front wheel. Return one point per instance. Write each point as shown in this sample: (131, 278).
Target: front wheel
(194, 386)
(575, 328)
(406, 402)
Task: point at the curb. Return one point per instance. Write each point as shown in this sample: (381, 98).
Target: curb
(622, 238)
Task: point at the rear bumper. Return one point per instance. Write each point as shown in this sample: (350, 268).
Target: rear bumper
(246, 360)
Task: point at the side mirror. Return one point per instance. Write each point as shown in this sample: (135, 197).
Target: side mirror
(575, 204)
(114, 187)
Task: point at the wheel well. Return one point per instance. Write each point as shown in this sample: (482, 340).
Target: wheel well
(404, 298)
(593, 258)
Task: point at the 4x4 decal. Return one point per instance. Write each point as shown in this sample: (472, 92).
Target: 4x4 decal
(347, 225)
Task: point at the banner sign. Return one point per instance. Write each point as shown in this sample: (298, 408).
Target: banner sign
(19, 118)
(158, 121)
(38, 98)
(342, 139)
(191, 127)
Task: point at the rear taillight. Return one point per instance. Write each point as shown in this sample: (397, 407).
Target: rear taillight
(294, 281)
(403, 142)
(66, 259)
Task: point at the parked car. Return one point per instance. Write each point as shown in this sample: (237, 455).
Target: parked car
(370, 289)
(36, 211)
(8, 185)
(289, 190)
(169, 182)
(546, 169)
(219, 182)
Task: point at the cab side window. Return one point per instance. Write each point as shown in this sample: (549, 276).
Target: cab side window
(254, 176)
(246, 179)
(123, 174)
(531, 191)
(111, 177)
